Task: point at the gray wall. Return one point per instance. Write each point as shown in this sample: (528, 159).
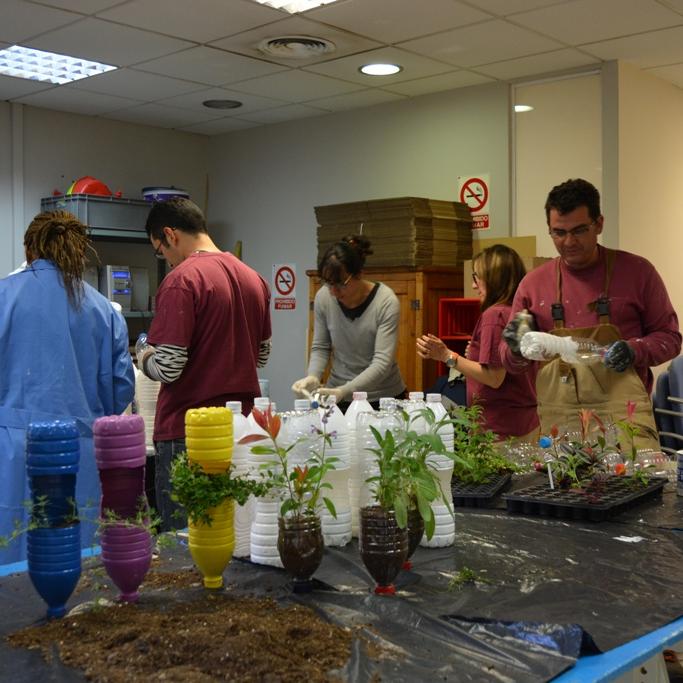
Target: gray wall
(266, 181)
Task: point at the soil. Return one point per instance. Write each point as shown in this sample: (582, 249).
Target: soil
(210, 637)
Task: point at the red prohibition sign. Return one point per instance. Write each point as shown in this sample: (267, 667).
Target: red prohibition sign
(476, 191)
(284, 280)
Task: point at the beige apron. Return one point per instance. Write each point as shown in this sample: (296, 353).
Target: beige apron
(563, 389)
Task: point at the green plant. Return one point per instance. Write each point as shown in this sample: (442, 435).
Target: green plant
(37, 519)
(475, 456)
(464, 576)
(199, 492)
(630, 430)
(301, 487)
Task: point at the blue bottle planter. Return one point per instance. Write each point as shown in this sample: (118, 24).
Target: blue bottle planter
(52, 454)
(54, 565)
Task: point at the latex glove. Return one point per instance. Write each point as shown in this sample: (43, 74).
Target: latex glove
(512, 334)
(306, 385)
(338, 392)
(619, 356)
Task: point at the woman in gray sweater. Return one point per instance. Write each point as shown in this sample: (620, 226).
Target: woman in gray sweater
(356, 322)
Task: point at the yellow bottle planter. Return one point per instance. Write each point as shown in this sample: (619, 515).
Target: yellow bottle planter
(211, 546)
(209, 438)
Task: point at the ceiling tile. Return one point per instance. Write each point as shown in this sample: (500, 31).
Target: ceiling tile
(11, 88)
(68, 98)
(160, 115)
(503, 8)
(204, 21)
(249, 102)
(449, 81)
(287, 113)
(20, 21)
(218, 126)
(658, 48)
(344, 42)
(484, 43)
(413, 65)
(210, 66)
(81, 6)
(394, 20)
(354, 100)
(105, 42)
(295, 86)
(672, 74)
(537, 64)
(586, 21)
(136, 84)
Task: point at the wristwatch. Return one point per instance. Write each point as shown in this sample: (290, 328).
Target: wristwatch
(452, 361)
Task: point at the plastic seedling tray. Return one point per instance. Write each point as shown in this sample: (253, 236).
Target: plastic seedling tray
(619, 494)
(479, 495)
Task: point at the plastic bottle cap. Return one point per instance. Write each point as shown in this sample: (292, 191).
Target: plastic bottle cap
(433, 398)
(234, 406)
(261, 402)
(360, 395)
(302, 404)
(416, 396)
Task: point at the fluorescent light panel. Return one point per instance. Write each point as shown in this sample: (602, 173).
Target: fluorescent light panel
(294, 6)
(380, 69)
(48, 67)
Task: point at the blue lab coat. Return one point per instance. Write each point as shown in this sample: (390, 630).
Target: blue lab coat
(56, 362)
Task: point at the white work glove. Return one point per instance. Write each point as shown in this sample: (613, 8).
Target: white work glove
(338, 392)
(307, 385)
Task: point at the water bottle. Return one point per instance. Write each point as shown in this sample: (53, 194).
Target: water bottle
(336, 532)
(544, 346)
(444, 528)
(358, 404)
(413, 406)
(241, 461)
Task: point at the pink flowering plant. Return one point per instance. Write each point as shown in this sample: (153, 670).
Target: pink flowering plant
(301, 487)
(629, 453)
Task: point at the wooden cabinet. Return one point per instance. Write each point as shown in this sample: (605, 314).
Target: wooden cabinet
(419, 291)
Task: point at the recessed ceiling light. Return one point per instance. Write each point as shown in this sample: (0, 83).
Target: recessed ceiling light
(380, 69)
(520, 108)
(294, 6)
(48, 67)
(222, 104)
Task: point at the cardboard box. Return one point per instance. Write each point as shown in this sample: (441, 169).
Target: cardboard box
(530, 262)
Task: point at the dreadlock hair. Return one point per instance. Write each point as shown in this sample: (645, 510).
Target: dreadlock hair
(60, 237)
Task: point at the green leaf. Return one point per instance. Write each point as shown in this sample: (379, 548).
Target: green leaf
(330, 506)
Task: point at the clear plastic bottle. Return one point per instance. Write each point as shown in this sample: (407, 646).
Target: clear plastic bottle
(542, 346)
(413, 406)
(358, 405)
(244, 514)
(444, 529)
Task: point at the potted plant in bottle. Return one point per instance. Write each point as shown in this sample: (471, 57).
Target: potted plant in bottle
(301, 488)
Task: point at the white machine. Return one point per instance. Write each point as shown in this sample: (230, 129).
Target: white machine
(140, 285)
(116, 285)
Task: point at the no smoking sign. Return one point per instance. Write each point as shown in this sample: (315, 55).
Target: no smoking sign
(474, 191)
(284, 284)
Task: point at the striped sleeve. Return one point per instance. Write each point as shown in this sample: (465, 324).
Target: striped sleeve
(166, 363)
(263, 353)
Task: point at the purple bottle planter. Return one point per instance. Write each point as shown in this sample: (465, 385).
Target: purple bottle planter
(120, 453)
(126, 555)
(52, 454)
(54, 565)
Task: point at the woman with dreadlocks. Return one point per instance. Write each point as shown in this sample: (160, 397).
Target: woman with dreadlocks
(64, 355)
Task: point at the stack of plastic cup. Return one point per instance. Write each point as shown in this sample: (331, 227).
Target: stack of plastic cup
(54, 545)
(209, 441)
(120, 454)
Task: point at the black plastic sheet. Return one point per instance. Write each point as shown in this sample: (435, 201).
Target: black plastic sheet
(547, 590)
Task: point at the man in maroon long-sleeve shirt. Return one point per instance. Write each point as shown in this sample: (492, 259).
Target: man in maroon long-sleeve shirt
(612, 296)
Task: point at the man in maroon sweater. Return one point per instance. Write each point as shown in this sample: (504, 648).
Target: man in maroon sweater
(616, 298)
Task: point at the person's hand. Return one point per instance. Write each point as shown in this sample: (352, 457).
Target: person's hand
(338, 392)
(306, 385)
(511, 332)
(619, 356)
(430, 346)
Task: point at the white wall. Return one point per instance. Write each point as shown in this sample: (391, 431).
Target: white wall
(265, 183)
(59, 148)
(559, 139)
(651, 174)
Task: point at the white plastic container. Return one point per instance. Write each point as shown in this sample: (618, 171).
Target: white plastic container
(358, 404)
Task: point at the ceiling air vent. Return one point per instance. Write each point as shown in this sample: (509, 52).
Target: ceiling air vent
(296, 47)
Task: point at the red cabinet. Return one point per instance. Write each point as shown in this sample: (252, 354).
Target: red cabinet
(457, 318)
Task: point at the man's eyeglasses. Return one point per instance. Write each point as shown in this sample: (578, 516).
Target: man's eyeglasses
(157, 252)
(337, 285)
(578, 231)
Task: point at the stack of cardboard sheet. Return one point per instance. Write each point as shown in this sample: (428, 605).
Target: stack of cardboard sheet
(405, 231)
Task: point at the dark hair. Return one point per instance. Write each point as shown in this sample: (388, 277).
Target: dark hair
(501, 270)
(349, 254)
(571, 195)
(60, 237)
(179, 213)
